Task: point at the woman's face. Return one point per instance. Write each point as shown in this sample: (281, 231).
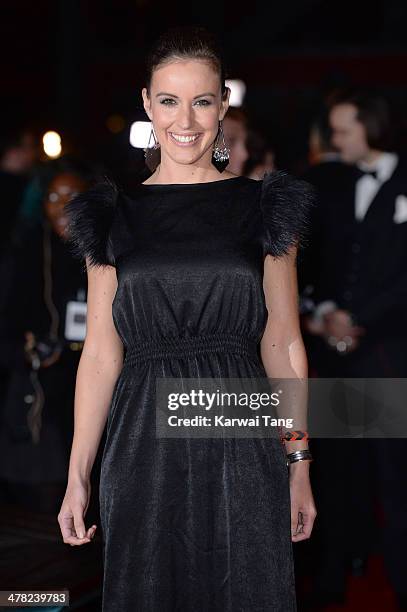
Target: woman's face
(60, 190)
(185, 107)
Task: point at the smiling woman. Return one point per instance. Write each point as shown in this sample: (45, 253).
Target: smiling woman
(185, 124)
(186, 99)
(176, 277)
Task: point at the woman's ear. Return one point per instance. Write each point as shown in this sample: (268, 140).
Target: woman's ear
(225, 103)
(146, 102)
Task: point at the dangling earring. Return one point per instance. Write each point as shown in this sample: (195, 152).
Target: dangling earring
(220, 153)
(152, 155)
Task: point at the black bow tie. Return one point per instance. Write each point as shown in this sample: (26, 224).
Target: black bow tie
(367, 173)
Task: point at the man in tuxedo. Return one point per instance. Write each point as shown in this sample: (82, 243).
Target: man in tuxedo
(358, 328)
(326, 169)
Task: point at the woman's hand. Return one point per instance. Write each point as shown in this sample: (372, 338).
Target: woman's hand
(72, 512)
(303, 511)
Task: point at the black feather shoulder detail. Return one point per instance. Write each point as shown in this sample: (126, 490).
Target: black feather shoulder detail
(90, 216)
(286, 203)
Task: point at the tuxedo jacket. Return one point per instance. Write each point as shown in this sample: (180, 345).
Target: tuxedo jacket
(360, 264)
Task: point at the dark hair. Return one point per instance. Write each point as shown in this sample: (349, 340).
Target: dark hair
(373, 113)
(322, 126)
(186, 42)
(67, 164)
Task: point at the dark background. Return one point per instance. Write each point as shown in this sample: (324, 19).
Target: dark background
(69, 64)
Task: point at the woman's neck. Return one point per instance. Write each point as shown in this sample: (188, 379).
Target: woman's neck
(186, 174)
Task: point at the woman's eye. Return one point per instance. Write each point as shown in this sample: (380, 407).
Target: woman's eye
(170, 101)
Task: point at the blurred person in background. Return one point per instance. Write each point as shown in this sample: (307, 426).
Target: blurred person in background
(320, 144)
(42, 327)
(236, 131)
(18, 154)
(359, 326)
(261, 157)
(326, 169)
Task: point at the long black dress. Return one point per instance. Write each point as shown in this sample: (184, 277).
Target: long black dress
(191, 525)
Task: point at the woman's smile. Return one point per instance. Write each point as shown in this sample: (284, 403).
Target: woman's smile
(184, 140)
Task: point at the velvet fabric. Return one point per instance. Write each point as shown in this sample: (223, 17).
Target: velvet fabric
(191, 525)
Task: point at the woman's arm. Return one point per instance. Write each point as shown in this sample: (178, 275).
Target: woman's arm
(282, 347)
(284, 357)
(99, 367)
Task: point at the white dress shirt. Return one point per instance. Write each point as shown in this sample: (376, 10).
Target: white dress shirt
(368, 186)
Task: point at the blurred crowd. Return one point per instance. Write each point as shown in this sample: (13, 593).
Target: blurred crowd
(352, 279)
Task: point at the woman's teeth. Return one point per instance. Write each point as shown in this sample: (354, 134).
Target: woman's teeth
(179, 138)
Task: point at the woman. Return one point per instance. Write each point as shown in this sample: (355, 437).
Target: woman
(175, 290)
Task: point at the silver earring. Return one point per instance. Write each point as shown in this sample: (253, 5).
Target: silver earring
(220, 153)
(152, 154)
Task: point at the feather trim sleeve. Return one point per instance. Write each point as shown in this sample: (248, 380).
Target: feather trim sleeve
(286, 204)
(90, 216)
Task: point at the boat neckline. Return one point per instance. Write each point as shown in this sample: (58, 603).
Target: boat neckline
(217, 182)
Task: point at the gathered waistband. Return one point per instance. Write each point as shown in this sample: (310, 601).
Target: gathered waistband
(190, 346)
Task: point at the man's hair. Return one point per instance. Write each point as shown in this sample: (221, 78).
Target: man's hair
(322, 127)
(373, 113)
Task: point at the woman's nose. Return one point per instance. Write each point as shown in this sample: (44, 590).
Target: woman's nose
(185, 117)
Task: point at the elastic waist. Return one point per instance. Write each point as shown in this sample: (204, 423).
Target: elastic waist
(188, 347)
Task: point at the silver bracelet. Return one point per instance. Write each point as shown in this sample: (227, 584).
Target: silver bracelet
(300, 455)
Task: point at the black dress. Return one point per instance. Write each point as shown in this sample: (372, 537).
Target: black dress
(192, 525)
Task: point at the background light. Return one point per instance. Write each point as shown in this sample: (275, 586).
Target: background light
(237, 91)
(115, 123)
(140, 133)
(52, 144)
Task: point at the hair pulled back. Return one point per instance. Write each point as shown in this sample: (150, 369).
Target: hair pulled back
(186, 42)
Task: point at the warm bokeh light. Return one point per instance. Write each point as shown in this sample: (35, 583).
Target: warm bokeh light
(115, 123)
(237, 91)
(140, 132)
(52, 144)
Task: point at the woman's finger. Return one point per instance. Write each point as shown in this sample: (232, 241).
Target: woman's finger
(79, 523)
(306, 523)
(66, 524)
(294, 522)
(91, 532)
